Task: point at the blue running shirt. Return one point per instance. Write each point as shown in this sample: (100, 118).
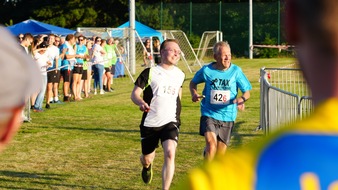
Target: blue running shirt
(221, 88)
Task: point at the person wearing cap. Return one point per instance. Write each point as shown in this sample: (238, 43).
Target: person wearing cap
(302, 155)
(43, 61)
(24, 81)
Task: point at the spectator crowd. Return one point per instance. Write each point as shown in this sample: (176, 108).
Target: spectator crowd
(68, 64)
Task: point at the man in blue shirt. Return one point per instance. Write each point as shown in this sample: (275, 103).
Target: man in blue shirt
(220, 98)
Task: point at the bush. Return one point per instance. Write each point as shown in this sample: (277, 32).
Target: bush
(267, 52)
(194, 40)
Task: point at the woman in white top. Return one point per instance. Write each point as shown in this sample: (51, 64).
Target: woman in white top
(41, 58)
(98, 67)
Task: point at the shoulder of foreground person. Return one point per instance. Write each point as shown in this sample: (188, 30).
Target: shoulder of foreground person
(291, 158)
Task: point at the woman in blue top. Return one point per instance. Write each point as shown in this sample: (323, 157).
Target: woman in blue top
(220, 102)
(81, 50)
(67, 64)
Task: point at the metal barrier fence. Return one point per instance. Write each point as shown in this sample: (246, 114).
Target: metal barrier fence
(284, 97)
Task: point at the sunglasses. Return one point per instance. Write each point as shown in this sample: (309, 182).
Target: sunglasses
(80, 39)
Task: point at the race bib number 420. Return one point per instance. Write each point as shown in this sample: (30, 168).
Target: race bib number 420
(220, 97)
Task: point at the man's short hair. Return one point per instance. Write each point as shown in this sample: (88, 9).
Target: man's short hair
(69, 37)
(164, 43)
(28, 36)
(217, 45)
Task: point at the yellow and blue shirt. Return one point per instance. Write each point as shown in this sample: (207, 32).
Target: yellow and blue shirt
(301, 156)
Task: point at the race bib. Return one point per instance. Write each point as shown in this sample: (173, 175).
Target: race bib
(166, 89)
(220, 97)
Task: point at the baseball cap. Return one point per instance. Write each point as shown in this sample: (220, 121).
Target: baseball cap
(20, 75)
(44, 44)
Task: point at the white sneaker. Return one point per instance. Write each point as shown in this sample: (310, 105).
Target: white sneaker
(101, 91)
(95, 92)
(25, 119)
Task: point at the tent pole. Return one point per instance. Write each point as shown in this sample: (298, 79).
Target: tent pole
(132, 36)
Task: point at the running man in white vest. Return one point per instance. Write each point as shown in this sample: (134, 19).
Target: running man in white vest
(161, 106)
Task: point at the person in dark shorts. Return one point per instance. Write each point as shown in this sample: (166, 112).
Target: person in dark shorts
(222, 81)
(109, 66)
(161, 106)
(80, 56)
(86, 75)
(53, 72)
(67, 78)
(68, 64)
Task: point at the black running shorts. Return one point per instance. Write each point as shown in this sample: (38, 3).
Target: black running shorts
(150, 136)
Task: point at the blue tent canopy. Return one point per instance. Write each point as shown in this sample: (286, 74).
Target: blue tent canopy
(35, 27)
(143, 30)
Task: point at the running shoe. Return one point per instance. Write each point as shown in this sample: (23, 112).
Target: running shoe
(147, 174)
(37, 110)
(58, 102)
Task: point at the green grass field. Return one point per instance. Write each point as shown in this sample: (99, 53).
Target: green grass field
(95, 143)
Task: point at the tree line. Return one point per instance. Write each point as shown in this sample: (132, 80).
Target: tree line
(88, 13)
(191, 16)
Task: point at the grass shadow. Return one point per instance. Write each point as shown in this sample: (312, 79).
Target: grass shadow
(98, 129)
(237, 138)
(41, 181)
(47, 176)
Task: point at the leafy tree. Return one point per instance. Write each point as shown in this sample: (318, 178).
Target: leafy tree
(69, 14)
(18, 10)
(151, 15)
(76, 13)
(267, 52)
